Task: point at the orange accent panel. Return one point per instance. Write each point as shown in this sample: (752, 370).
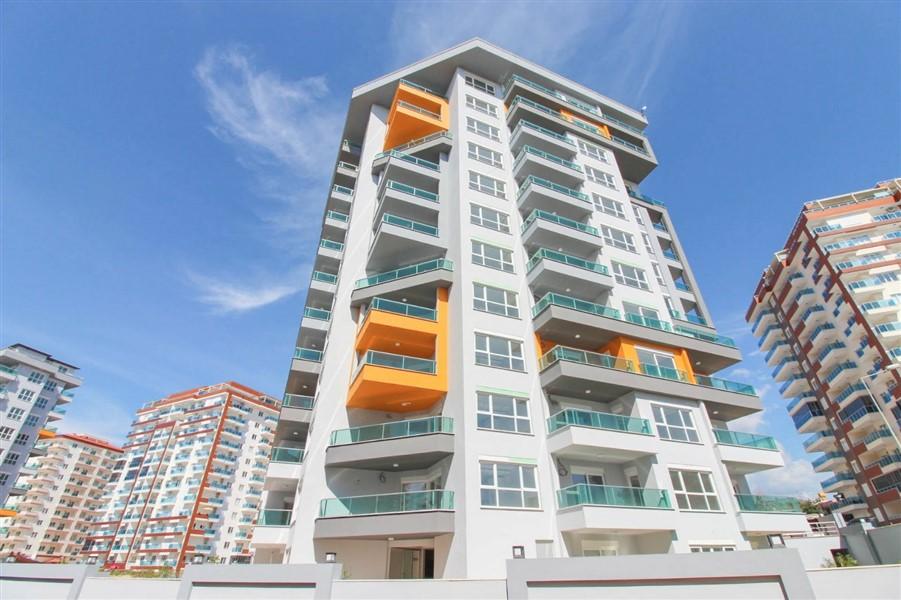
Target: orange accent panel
(397, 390)
(45, 434)
(7, 512)
(406, 123)
(398, 334)
(603, 129)
(625, 348)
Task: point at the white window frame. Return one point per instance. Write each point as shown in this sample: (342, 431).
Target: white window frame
(483, 129)
(711, 548)
(640, 279)
(485, 155)
(647, 244)
(642, 311)
(637, 212)
(479, 84)
(480, 183)
(523, 490)
(512, 359)
(482, 216)
(592, 151)
(488, 417)
(617, 209)
(480, 256)
(15, 414)
(619, 239)
(680, 492)
(600, 177)
(666, 426)
(506, 308)
(658, 274)
(482, 106)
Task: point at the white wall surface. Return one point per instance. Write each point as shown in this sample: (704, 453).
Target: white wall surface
(857, 583)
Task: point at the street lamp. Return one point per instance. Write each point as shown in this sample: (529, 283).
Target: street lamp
(863, 380)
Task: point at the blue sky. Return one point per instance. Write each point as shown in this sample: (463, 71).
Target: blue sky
(164, 165)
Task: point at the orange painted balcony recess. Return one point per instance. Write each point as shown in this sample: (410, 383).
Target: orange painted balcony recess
(415, 112)
(402, 352)
(45, 434)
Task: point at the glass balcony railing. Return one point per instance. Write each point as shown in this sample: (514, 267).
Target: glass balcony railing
(597, 420)
(331, 245)
(421, 162)
(552, 298)
(541, 182)
(829, 348)
(817, 436)
(349, 166)
(386, 503)
(342, 189)
(563, 353)
(402, 308)
(705, 336)
(544, 253)
(546, 156)
(396, 429)
(769, 504)
(681, 285)
(882, 432)
(670, 254)
(570, 223)
(884, 303)
(410, 224)
(418, 109)
(523, 124)
(398, 361)
(873, 281)
(664, 372)
(324, 277)
(827, 456)
(337, 216)
(426, 138)
(308, 354)
(271, 517)
(650, 322)
(723, 384)
(7, 370)
(320, 314)
(424, 267)
(689, 317)
(644, 197)
(419, 87)
(286, 455)
(412, 191)
(583, 494)
(838, 477)
(748, 440)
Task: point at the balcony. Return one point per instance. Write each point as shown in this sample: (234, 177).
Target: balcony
(770, 514)
(400, 328)
(595, 435)
(527, 133)
(330, 250)
(407, 169)
(624, 509)
(307, 360)
(431, 145)
(397, 238)
(285, 469)
(399, 198)
(400, 515)
(396, 383)
(537, 193)
(556, 317)
(7, 374)
(794, 385)
(415, 112)
(745, 453)
(272, 529)
(838, 481)
(809, 418)
(296, 407)
(829, 461)
(418, 281)
(582, 374)
(533, 162)
(820, 441)
(398, 445)
(547, 230)
(549, 271)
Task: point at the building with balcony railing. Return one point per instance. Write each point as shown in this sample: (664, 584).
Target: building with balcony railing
(825, 313)
(195, 466)
(517, 352)
(62, 496)
(35, 387)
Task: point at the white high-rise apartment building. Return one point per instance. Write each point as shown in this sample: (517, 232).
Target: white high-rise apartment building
(192, 481)
(63, 497)
(504, 351)
(34, 387)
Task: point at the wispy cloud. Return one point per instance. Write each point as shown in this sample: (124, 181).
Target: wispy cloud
(797, 478)
(623, 45)
(285, 132)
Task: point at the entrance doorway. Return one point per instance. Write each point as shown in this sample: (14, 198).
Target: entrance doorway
(411, 563)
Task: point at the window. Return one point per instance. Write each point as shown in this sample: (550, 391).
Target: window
(587, 478)
(658, 364)
(6, 433)
(508, 485)
(25, 395)
(15, 414)
(628, 275)
(483, 129)
(482, 86)
(492, 256)
(637, 309)
(36, 377)
(481, 105)
(694, 490)
(592, 151)
(50, 386)
(503, 353)
(637, 213)
(494, 300)
(22, 439)
(711, 548)
(486, 217)
(41, 402)
(503, 413)
(647, 244)
(674, 423)
(598, 176)
(657, 274)
(485, 155)
(11, 458)
(609, 206)
(31, 420)
(618, 239)
(488, 185)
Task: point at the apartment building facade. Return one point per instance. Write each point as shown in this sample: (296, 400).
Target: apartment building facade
(827, 314)
(504, 351)
(34, 390)
(63, 497)
(191, 483)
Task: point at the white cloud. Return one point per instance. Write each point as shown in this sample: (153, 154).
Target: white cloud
(229, 297)
(796, 479)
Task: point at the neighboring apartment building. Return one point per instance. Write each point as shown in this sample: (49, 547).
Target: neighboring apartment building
(63, 497)
(34, 387)
(192, 481)
(827, 312)
(504, 351)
